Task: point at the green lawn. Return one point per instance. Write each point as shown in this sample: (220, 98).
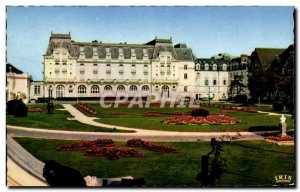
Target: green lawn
(57, 120)
(249, 121)
(249, 163)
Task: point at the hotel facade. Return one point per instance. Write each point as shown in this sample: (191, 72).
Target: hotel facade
(94, 69)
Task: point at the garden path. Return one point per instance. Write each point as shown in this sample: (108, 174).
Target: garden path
(151, 135)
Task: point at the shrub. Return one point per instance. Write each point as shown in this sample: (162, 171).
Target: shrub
(199, 113)
(278, 106)
(11, 105)
(240, 99)
(21, 110)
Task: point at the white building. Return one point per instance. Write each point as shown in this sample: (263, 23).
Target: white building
(17, 84)
(89, 70)
(93, 69)
(212, 79)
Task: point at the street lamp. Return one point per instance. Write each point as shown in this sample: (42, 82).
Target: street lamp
(208, 95)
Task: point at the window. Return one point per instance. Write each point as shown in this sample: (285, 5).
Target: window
(214, 67)
(206, 67)
(224, 67)
(185, 76)
(81, 91)
(185, 88)
(70, 91)
(168, 59)
(107, 88)
(37, 90)
(82, 72)
(215, 82)
(95, 90)
(95, 72)
(121, 65)
(185, 67)
(107, 65)
(173, 68)
(60, 91)
(132, 65)
(198, 67)
(120, 88)
(81, 64)
(162, 65)
(56, 63)
(145, 65)
(64, 63)
(224, 82)
(165, 89)
(95, 64)
(206, 82)
(133, 88)
(145, 88)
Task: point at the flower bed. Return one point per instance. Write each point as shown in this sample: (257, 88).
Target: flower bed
(222, 112)
(81, 146)
(209, 120)
(121, 113)
(280, 138)
(231, 107)
(151, 114)
(113, 153)
(86, 108)
(106, 148)
(155, 113)
(150, 146)
(36, 109)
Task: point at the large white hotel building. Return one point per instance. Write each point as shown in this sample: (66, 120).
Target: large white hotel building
(93, 69)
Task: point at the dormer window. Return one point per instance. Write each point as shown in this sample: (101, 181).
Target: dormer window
(206, 67)
(214, 67)
(198, 67)
(224, 67)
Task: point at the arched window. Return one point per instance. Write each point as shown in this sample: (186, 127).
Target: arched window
(107, 88)
(145, 88)
(165, 91)
(60, 90)
(165, 88)
(206, 67)
(133, 88)
(224, 67)
(198, 67)
(120, 88)
(81, 91)
(214, 67)
(95, 90)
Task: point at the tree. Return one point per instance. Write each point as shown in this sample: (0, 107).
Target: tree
(236, 85)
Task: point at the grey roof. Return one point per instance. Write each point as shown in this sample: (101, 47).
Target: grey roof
(179, 51)
(210, 61)
(184, 54)
(11, 68)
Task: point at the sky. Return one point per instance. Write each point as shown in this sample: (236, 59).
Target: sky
(207, 30)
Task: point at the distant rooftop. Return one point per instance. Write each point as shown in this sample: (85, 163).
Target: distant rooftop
(11, 68)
